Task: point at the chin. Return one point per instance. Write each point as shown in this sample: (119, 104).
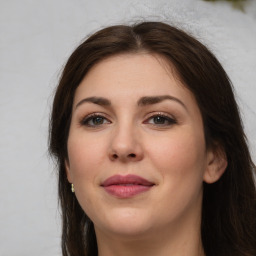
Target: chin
(126, 222)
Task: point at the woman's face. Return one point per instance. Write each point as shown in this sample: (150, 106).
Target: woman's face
(136, 148)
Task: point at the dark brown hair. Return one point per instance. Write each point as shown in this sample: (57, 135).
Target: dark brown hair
(229, 205)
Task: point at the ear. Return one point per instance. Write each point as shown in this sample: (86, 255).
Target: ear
(216, 164)
(68, 172)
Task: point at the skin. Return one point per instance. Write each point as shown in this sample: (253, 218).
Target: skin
(128, 139)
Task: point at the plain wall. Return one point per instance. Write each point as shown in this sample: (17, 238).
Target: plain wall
(36, 38)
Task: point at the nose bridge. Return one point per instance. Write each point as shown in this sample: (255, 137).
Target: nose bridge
(125, 141)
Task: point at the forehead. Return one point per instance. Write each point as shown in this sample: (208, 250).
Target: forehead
(130, 75)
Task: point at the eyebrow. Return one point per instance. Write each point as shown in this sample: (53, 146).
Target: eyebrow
(96, 100)
(143, 101)
(149, 100)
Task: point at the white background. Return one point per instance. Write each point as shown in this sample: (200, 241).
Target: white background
(36, 38)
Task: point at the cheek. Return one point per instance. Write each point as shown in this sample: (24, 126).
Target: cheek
(86, 158)
(85, 155)
(181, 164)
(180, 157)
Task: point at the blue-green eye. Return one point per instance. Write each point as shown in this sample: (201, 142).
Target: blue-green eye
(94, 120)
(161, 120)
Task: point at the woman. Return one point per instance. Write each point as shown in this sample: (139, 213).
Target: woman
(146, 133)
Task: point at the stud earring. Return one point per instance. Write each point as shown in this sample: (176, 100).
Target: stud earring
(72, 188)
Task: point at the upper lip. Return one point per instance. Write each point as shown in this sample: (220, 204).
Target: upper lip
(127, 179)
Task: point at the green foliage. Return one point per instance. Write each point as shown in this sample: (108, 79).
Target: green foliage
(238, 4)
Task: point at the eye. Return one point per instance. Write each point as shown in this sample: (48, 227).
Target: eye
(94, 120)
(161, 120)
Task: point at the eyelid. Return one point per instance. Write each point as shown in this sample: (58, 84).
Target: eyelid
(169, 118)
(159, 113)
(172, 120)
(88, 117)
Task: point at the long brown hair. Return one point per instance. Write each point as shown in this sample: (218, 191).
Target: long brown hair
(229, 205)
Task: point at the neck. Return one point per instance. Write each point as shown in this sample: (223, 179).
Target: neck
(182, 241)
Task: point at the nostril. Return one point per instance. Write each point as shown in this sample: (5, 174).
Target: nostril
(131, 156)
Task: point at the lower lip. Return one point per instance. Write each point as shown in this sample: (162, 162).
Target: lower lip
(126, 191)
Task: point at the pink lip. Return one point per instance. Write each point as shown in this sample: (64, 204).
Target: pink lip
(126, 186)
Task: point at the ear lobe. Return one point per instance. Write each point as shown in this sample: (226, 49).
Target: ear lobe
(67, 167)
(217, 164)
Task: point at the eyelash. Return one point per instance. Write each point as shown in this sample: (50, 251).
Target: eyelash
(85, 121)
(170, 120)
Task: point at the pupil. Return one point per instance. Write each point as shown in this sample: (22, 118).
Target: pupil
(98, 120)
(159, 120)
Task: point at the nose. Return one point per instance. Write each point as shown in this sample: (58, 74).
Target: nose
(125, 145)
